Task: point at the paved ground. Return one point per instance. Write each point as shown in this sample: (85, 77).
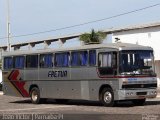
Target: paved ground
(79, 109)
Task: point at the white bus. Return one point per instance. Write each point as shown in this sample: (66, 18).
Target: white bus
(97, 72)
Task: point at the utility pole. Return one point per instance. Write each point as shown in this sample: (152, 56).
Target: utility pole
(8, 26)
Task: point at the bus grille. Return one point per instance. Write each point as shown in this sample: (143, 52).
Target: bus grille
(141, 93)
(139, 85)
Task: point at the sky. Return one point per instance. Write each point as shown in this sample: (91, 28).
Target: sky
(32, 16)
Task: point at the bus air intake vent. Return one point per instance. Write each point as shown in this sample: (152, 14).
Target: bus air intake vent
(141, 93)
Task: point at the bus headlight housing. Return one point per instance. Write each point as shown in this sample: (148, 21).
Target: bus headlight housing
(153, 93)
(129, 94)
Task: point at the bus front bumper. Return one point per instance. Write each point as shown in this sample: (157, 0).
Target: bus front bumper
(136, 94)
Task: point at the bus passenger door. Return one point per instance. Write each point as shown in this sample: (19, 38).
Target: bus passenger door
(107, 63)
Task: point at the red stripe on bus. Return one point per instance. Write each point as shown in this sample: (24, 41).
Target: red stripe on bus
(17, 83)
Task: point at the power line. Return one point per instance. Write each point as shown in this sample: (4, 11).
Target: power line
(85, 23)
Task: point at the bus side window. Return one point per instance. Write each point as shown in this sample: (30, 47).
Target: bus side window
(19, 62)
(92, 57)
(75, 59)
(8, 62)
(79, 58)
(46, 61)
(62, 59)
(83, 58)
(32, 61)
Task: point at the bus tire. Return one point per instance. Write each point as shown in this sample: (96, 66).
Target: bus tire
(107, 97)
(35, 95)
(139, 102)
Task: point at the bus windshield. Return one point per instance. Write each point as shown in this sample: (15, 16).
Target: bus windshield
(138, 62)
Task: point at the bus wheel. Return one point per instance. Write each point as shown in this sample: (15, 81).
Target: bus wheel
(107, 97)
(139, 102)
(35, 95)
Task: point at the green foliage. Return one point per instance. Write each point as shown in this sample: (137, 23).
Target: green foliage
(93, 37)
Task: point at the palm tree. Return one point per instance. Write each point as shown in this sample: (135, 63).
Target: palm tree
(93, 37)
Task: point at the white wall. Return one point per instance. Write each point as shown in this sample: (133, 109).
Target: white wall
(147, 39)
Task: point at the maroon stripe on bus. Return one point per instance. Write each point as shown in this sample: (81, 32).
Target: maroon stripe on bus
(19, 85)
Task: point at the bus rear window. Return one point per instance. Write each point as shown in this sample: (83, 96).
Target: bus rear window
(8, 63)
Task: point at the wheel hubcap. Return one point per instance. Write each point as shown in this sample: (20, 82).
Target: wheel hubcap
(107, 97)
(34, 96)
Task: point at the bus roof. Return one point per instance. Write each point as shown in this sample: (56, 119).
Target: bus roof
(116, 46)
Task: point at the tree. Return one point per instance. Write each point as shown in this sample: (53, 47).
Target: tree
(93, 37)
